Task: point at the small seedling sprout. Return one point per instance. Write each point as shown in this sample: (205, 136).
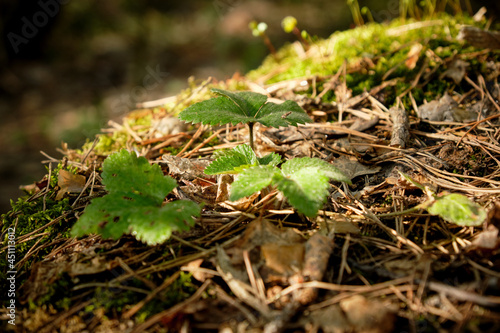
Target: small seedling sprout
(289, 25)
(245, 107)
(356, 12)
(259, 30)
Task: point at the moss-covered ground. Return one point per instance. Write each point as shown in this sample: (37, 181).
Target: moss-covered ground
(429, 275)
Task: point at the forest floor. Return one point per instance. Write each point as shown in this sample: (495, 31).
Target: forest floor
(422, 103)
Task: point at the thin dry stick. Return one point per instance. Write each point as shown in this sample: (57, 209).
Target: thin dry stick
(178, 261)
(54, 221)
(201, 145)
(341, 129)
(259, 287)
(172, 311)
(336, 287)
(225, 297)
(343, 263)
(130, 131)
(47, 188)
(132, 311)
(89, 182)
(129, 270)
(391, 232)
(55, 322)
(190, 142)
(492, 100)
(185, 242)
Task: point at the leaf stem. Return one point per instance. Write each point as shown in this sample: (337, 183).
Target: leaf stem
(250, 134)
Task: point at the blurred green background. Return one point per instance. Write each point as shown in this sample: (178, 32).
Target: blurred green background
(67, 66)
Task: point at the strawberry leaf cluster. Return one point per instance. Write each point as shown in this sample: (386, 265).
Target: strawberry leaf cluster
(134, 204)
(303, 181)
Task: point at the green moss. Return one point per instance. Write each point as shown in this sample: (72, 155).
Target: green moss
(386, 45)
(109, 143)
(177, 292)
(28, 215)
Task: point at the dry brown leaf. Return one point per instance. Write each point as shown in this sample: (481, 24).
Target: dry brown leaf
(352, 168)
(242, 204)
(186, 168)
(446, 109)
(223, 185)
(69, 183)
(330, 319)
(456, 70)
(480, 38)
(488, 239)
(198, 274)
(368, 316)
(284, 259)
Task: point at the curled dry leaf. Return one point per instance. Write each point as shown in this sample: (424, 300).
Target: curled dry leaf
(480, 38)
(69, 183)
(283, 259)
(413, 56)
(352, 168)
(456, 70)
(185, 167)
(368, 316)
(445, 109)
(488, 239)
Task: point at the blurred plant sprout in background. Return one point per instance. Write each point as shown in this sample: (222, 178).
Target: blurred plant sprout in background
(259, 30)
(289, 25)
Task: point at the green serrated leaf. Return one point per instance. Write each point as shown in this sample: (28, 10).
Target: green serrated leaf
(270, 159)
(248, 102)
(306, 189)
(294, 165)
(104, 216)
(177, 215)
(244, 107)
(134, 203)
(124, 171)
(233, 161)
(252, 180)
(247, 152)
(458, 209)
(285, 114)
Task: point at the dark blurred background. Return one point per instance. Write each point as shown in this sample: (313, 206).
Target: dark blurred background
(68, 66)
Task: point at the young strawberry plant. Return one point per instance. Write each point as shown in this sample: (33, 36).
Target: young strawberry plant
(247, 108)
(134, 204)
(303, 181)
